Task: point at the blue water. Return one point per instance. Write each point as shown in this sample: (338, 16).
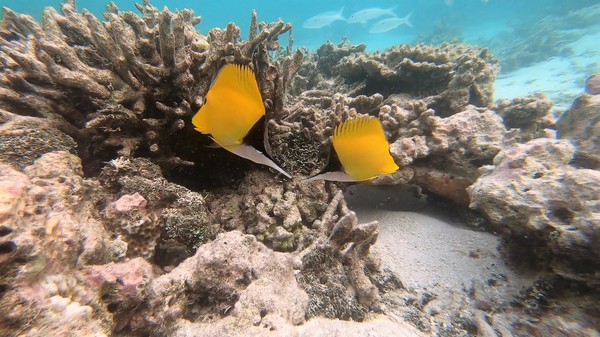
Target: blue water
(489, 23)
(476, 18)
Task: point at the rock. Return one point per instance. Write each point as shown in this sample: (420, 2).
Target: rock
(592, 84)
(237, 276)
(531, 115)
(130, 202)
(53, 232)
(447, 185)
(463, 142)
(581, 125)
(532, 192)
(25, 139)
(138, 226)
(120, 286)
(13, 187)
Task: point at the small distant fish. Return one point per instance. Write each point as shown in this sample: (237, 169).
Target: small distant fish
(323, 19)
(390, 23)
(360, 148)
(233, 108)
(451, 2)
(365, 15)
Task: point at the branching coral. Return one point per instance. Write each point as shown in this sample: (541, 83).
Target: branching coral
(415, 91)
(329, 266)
(447, 77)
(128, 86)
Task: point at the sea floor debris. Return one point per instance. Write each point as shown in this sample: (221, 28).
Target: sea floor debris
(111, 205)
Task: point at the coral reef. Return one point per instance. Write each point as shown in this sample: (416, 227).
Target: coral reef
(24, 139)
(415, 91)
(127, 86)
(116, 219)
(50, 231)
(235, 277)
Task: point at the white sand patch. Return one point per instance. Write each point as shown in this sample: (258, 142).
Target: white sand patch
(423, 248)
(560, 78)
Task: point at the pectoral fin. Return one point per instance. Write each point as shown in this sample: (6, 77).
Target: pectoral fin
(250, 153)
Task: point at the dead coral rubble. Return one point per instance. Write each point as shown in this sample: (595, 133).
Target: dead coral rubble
(531, 115)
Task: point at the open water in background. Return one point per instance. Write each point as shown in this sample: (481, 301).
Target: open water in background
(476, 18)
(487, 23)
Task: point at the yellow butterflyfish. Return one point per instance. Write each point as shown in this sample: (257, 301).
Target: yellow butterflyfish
(233, 107)
(362, 151)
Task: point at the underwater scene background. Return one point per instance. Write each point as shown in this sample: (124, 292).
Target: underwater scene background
(319, 168)
(553, 45)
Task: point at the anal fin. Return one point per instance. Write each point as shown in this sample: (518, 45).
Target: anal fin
(332, 176)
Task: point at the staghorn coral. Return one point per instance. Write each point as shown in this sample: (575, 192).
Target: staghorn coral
(330, 267)
(138, 98)
(127, 86)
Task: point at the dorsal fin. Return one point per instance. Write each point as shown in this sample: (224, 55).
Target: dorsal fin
(233, 105)
(362, 149)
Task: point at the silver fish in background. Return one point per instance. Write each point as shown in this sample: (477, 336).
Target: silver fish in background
(323, 19)
(368, 14)
(388, 24)
(451, 2)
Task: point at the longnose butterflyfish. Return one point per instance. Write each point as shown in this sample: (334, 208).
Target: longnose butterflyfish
(361, 150)
(233, 108)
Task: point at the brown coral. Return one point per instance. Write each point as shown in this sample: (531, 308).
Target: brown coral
(127, 86)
